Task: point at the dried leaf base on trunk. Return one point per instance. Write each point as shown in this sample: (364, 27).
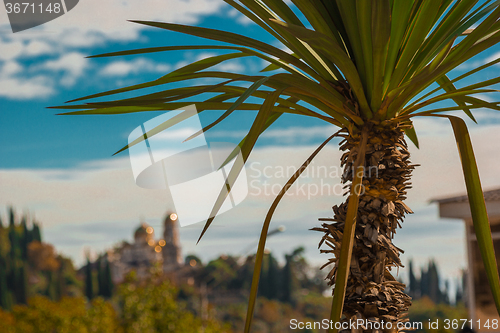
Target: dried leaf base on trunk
(372, 293)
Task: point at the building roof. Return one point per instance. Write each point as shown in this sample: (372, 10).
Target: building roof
(141, 230)
(492, 195)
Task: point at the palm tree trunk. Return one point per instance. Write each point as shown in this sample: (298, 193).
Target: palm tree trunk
(372, 293)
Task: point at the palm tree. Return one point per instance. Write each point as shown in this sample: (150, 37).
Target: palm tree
(367, 67)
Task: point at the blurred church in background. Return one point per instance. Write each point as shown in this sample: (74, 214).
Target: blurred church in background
(147, 252)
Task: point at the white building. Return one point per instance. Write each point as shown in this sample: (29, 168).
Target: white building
(479, 297)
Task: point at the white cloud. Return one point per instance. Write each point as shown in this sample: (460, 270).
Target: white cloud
(473, 64)
(299, 134)
(9, 68)
(94, 21)
(36, 48)
(10, 50)
(23, 82)
(14, 87)
(180, 64)
(240, 18)
(204, 55)
(243, 20)
(17, 48)
(141, 65)
(34, 87)
(494, 56)
(233, 66)
(233, 12)
(89, 24)
(72, 64)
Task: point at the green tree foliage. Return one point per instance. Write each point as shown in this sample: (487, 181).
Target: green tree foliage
(5, 297)
(12, 217)
(148, 307)
(69, 315)
(189, 258)
(24, 239)
(272, 278)
(89, 280)
(51, 290)
(412, 285)
(425, 309)
(152, 307)
(15, 268)
(278, 282)
(104, 279)
(460, 289)
(36, 233)
(294, 276)
(221, 273)
(100, 276)
(21, 283)
(429, 284)
(274, 316)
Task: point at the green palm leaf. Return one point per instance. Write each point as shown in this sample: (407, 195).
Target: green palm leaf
(477, 205)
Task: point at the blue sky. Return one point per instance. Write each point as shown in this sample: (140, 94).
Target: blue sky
(60, 167)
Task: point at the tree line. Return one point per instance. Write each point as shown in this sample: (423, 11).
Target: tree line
(277, 282)
(28, 266)
(98, 278)
(429, 284)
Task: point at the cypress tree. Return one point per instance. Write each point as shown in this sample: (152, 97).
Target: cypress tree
(24, 239)
(424, 282)
(108, 280)
(4, 290)
(29, 235)
(17, 283)
(459, 295)
(444, 295)
(89, 287)
(100, 278)
(465, 290)
(287, 280)
(15, 249)
(12, 218)
(413, 285)
(36, 232)
(263, 283)
(433, 276)
(20, 283)
(11, 277)
(51, 290)
(272, 278)
(61, 281)
(13, 238)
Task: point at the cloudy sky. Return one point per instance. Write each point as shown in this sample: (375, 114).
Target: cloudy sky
(60, 168)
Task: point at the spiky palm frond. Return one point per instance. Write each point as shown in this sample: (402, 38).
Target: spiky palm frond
(350, 63)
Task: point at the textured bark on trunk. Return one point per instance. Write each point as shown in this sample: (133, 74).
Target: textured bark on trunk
(372, 293)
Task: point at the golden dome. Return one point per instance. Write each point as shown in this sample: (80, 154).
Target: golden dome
(143, 233)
